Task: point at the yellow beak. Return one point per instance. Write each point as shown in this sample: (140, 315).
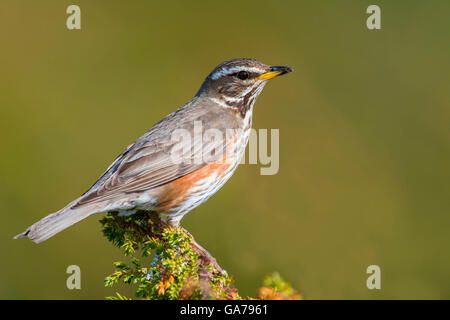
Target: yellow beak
(274, 72)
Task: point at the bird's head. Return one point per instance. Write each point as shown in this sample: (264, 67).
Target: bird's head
(236, 83)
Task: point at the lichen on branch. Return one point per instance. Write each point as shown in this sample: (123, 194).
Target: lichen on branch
(167, 263)
(176, 270)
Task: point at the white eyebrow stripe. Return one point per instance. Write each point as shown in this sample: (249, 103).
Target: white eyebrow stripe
(228, 71)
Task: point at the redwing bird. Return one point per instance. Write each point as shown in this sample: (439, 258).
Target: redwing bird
(147, 177)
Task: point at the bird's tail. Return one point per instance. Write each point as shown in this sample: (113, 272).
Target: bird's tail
(55, 222)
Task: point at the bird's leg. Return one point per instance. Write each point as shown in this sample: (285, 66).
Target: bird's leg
(205, 257)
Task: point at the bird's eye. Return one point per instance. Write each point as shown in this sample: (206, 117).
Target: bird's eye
(243, 75)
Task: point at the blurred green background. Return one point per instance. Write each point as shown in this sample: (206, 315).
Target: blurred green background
(364, 138)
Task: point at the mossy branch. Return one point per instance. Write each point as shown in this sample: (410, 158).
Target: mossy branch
(179, 267)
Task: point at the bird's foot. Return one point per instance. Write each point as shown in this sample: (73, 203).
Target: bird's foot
(205, 257)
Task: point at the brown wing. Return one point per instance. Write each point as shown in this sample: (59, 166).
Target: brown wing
(144, 166)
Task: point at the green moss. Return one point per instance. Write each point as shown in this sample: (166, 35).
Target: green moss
(275, 288)
(174, 271)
